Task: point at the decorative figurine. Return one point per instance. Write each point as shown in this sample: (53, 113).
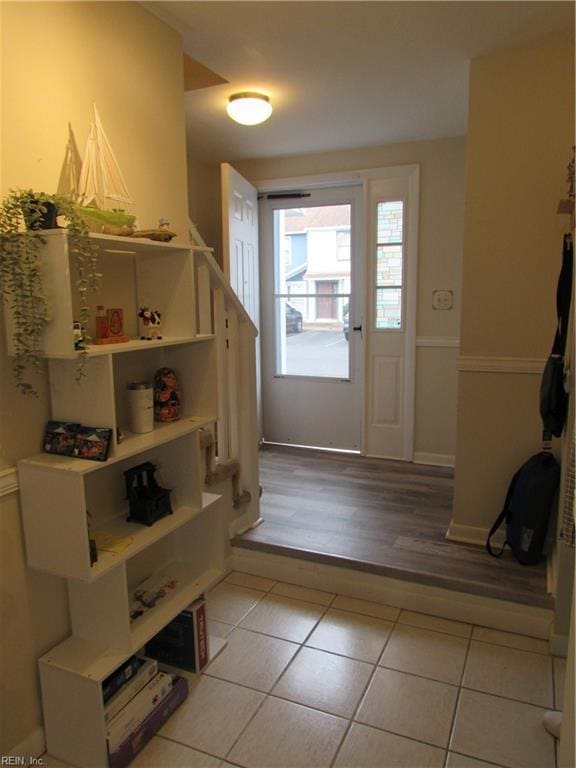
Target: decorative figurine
(166, 395)
(148, 501)
(150, 322)
(78, 335)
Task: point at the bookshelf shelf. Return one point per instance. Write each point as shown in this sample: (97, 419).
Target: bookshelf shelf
(66, 501)
(144, 536)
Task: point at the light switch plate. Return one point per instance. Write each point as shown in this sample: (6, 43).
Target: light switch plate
(443, 299)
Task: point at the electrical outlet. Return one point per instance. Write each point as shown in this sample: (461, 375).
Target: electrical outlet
(442, 299)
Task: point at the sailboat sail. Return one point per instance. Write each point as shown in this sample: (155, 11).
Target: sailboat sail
(70, 173)
(101, 179)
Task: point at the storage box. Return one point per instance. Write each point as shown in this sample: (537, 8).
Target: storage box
(183, 642)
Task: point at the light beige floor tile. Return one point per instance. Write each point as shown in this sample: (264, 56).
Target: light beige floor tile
(229, 603)
(161, 752)
(409, 706)
(287, 735)
(509, 672)
(324, 681)
(366, 607)
(219, 628)
(351, 634)
(511, 640)
(435, 623)
(248, 580)
(303, 593)
(213, 715)
(366, 747)
(559, 678)
(252, 659)
(423, 652)
(283, 617)
(461, 761)
(501, 731)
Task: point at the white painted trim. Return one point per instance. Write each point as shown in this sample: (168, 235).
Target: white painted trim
(437, 459)
(334, 178)
(441, 342)
(436, 601)
(469, 534)
(34, 745)
(532, 365)
(8, 481)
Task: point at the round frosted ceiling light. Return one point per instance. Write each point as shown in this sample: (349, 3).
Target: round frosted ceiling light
(249, 108)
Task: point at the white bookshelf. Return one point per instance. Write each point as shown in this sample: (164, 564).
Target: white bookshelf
(66, 500)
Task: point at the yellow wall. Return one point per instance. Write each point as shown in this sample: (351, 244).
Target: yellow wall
(57, 60)
(521, 130)
(442, 182)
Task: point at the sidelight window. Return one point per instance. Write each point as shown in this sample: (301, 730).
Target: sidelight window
(389, 264)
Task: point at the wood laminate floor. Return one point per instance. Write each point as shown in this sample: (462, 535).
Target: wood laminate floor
(381, 516)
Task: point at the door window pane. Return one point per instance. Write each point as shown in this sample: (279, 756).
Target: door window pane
(388, 308)
(312, 291)
(389, 265)
(390, 218)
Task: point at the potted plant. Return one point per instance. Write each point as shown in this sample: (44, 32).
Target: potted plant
(23, 216)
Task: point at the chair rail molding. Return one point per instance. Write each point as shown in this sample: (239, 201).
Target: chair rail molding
(442, 342)
(485, 364)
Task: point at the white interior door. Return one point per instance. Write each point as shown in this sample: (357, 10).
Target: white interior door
(240, 238)
(311, 278)
(240, 243)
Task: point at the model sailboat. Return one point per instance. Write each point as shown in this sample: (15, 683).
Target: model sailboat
(101, 185)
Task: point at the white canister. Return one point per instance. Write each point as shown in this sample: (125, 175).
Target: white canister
(141, 406)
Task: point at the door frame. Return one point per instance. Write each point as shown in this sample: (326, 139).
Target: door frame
(410, 171)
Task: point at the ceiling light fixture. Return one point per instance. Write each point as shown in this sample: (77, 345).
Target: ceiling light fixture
(249, 108)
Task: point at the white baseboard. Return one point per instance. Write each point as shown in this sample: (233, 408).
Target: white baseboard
(34, 745)
(469, 534)
(448, 604)
(437, 459)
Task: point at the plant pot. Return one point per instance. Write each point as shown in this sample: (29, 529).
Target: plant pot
(35, 219)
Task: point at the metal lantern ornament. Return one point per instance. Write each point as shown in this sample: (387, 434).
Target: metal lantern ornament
(166, 395)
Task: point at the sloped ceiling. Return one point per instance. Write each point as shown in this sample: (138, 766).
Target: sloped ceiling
(344, 74)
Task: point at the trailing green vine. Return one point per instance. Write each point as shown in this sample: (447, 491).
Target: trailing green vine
(22, 216)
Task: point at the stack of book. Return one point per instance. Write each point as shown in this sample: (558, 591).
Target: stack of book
(138, 699)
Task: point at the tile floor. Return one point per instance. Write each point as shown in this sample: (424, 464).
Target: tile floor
(311, 679)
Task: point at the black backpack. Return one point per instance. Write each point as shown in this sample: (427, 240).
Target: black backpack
(529, 502)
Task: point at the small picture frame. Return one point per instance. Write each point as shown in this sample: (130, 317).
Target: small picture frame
(92, 443)
(60, 437)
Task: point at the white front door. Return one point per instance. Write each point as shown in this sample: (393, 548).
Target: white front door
(392, 201)
(311, 278)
